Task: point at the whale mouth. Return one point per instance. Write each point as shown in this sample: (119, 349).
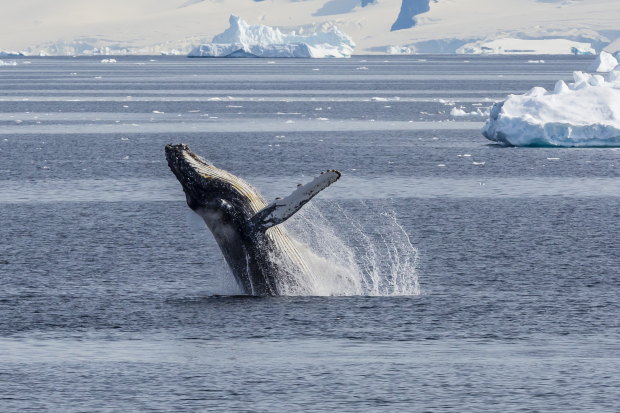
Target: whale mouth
(203, 180)
(181, 159)
(185, 164)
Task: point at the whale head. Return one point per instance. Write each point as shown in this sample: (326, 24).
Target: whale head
(208, 188)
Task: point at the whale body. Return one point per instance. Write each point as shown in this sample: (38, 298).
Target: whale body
(262, 255)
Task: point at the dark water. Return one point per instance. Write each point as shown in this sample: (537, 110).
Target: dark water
(113, 300)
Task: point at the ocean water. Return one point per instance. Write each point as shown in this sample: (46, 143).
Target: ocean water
(489, 275)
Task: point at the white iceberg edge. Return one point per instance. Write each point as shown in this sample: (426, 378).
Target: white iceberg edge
(244, 40)
(604, 62)
(585, 113)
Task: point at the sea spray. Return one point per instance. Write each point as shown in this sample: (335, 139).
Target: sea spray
(332, 263)
(349, 256)
(358, 249)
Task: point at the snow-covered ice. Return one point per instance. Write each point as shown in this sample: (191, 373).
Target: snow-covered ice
(509, 45)
(4, 53)
(460, 112)
(244, 40)
(605, 62)
(399, 50)
(584, 113)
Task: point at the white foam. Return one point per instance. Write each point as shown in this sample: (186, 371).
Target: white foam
(347, 258)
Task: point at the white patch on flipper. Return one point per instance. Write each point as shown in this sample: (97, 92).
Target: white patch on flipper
(282, 209)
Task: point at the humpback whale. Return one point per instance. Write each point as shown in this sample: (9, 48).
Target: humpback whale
(261, 254)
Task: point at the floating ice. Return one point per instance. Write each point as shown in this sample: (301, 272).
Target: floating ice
(581, 52)
(8, 63)
(460, 112)
(517, 45)
(399, 50)
(244, 40)
(108, 60)
(583, 113)
(4, 53)
(605, 62)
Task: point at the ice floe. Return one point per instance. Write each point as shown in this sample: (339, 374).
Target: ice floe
(511, 45)
(584, 113)
(460, 112)
(399, 50)
(605, 62)
(4, 53)
(244, 40)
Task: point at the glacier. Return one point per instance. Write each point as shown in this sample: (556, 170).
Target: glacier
(244, 40)
(584, 113)
(512, 45)
(11, 54)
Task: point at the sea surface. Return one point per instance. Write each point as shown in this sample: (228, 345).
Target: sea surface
(489, 276)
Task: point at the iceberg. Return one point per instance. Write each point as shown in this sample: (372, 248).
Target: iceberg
(581, 52)
(399, 50)
(244, 40)
(513, 45)
(605, 62)
(459, 112)
(4, 53)
(585, 113)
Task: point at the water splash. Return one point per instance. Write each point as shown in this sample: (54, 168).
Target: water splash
(349, 251)
(348, 256)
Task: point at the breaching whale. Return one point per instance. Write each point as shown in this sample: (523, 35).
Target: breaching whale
(261, 254)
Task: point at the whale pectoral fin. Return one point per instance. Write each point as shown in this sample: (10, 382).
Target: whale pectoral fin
(282, 209)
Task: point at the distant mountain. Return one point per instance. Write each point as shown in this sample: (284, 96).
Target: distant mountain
(409, 9)
(376, 26)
